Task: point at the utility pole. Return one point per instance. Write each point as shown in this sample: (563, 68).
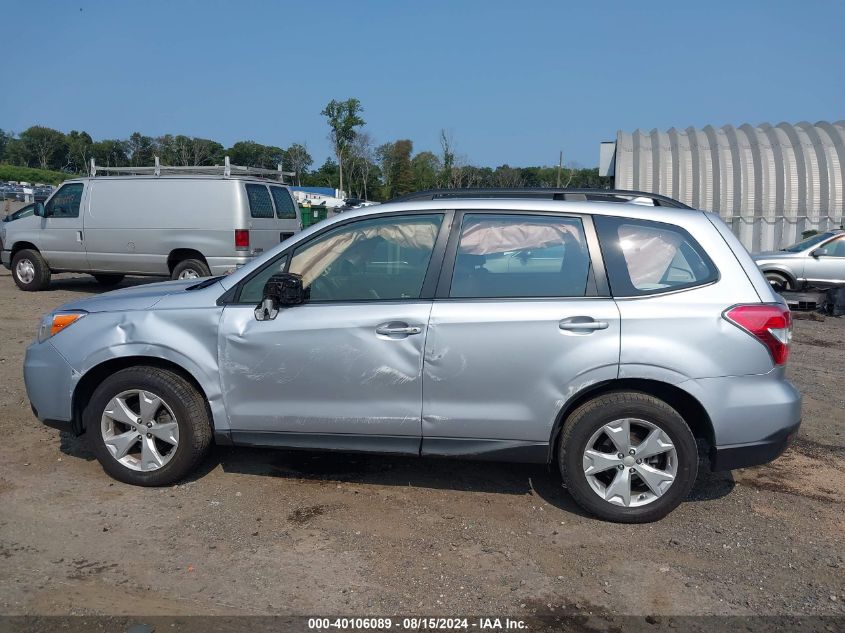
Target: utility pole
(559, 166)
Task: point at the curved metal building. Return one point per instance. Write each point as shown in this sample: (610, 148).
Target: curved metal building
(768, 182)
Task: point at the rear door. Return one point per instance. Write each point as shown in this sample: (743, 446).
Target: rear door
(263, 226)
(521, 321)
(287, 212)
(62, 240)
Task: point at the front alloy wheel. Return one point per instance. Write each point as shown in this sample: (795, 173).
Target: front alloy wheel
(140, 430)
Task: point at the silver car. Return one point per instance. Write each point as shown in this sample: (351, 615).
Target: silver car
(609, 339)
(817, 261)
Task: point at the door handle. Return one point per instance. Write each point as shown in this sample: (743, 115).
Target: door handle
(582, 324)
(398, 329)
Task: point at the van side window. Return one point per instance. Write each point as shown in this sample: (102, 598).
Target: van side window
(65, 204)
(285, 209)
(260, 205)
(514, 256)
(644, 257)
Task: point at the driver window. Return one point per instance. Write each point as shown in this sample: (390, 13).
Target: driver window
(836, 248)
(65, 204)
(369, 260)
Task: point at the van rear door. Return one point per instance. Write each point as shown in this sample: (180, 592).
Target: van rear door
(263, 226)
(287, 212)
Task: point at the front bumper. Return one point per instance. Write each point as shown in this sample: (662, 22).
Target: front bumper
(50, 381)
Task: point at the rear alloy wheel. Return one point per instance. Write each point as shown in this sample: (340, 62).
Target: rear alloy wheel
(147, 426)
(190, 269)
(30, 271)
(628, 457)
(780, 283)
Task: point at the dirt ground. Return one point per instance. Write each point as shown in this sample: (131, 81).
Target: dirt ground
(270, 532)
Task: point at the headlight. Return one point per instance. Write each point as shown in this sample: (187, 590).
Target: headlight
(55, 322)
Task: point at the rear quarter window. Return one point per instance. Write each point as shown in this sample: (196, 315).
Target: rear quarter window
(644, 257)
(260, 205)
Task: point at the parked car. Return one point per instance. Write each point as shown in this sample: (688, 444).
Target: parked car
(183, 227)
(817, 261)
(601, 337)
(23, 212)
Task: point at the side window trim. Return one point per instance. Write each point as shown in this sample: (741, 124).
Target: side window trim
(597, 284)
(232, 296)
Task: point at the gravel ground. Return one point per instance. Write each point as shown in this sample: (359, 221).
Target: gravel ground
(272, 532)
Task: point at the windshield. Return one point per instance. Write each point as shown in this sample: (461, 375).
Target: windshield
(810, 241)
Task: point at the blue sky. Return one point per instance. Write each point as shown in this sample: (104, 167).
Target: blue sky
(514, 82)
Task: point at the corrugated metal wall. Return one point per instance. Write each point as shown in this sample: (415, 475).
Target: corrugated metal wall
(769, 183)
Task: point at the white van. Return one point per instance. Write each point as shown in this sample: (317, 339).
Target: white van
(177, 226)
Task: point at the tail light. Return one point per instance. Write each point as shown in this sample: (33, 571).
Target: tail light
(771, 324)
(242, 239)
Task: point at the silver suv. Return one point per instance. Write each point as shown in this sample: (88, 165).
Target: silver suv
(605, 337)
(816, 261)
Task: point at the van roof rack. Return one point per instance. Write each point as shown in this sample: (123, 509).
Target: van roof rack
(547, 193)
(227, 170)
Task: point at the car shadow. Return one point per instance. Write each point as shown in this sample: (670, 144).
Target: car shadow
(88, 285)
(509, 478)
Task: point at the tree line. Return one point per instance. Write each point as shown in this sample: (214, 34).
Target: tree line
(360, 166)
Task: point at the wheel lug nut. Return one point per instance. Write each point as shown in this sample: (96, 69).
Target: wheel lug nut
(621, 467)
(631, 470)
(149, 425)
(639, 461)
(631, 452)
(620, 456)
(150, 435)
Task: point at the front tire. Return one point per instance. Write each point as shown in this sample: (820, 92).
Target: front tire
(627, 457)
(30, 271)
(190, 269)
(778, 282)
(147, 426)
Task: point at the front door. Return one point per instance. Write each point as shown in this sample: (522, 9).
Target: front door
(62, 240)
(828, 269)
(516, 329)
(344, 369)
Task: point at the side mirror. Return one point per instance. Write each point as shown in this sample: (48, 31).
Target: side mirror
(819, 252)
(282, 290)
(39, 210)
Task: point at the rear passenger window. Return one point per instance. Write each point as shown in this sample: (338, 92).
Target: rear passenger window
(260, 205)
(503, 256)
(645, 257)
(285, 209)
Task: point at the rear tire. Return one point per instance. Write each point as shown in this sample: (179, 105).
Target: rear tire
(171, 438)
(594, 473)
(109, 280)
(190, 269)
(30, 271)
(780, 283)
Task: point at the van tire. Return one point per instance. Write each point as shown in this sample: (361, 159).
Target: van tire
(188, 406)
(587, 421)
(189, 266)
(109, 280)
(30, 262)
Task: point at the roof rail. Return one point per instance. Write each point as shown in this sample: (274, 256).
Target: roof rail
(226, 170)
(550, 193)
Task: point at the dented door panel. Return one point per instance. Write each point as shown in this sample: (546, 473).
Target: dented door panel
(325, 368)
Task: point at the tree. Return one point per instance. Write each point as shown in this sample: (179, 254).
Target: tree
(396, 165)
(190, 151)
(43, 147)
(298, 160)
(252, 154)
(326, 176)
(447, 158)
(142, 150)
(507, 176)
(426, 167)
(110, 153)
(5, 137)
(343, 117)
(360, 164)
(79, 152)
